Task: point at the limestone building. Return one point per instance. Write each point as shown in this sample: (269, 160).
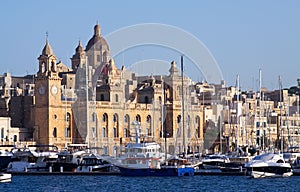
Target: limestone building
(98, 104)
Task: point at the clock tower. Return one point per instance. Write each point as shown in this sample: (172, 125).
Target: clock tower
(47, 99)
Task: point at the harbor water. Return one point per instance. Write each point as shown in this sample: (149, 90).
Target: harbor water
(65, 183)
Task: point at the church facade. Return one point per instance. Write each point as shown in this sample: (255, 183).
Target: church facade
(98, 104)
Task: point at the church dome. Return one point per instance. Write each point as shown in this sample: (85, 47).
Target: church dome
(79, 48)
(97, 38)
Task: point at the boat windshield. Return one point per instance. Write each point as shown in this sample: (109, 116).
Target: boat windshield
(264, 157)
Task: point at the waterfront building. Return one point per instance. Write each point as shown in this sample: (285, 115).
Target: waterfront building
(94, 93)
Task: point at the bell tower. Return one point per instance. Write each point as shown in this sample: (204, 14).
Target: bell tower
(47, 98)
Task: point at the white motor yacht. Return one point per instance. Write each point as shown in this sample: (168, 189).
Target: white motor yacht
(268, 165)
(214, 161)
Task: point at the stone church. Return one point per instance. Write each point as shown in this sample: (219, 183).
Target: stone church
(96, 103)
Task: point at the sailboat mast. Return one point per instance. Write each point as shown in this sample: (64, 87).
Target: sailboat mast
(260, 111)
(182, 108)
(238, 112)
(87, 100)
(280, 128)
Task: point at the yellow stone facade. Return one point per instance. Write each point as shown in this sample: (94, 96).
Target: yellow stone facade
(116, 98)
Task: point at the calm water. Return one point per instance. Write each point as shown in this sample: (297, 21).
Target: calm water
(118, 183)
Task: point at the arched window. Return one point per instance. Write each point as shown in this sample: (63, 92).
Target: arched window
(148, 125)
(126, 126)
(116, 125)
(104, 118)
(148, 119)
(178, 118)
(105, 125)
(138, 118)
(43, 67)
(53, 66)
(115, 117)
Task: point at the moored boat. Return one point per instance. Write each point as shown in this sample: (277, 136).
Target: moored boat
(268, 165)
(214, 161)
(152, 167)
(93, 163)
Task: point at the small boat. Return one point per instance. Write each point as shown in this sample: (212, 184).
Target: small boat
(93, 163)
(235, 164)
(268, 165)
(27, 160)
(67, 161)
(214, 161)
(5, 177)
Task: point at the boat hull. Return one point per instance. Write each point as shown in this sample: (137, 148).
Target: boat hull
(259, 174)
(5, 177)
(185, 171)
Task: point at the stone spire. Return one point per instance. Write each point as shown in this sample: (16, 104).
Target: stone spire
(173, 70)
(47, 49)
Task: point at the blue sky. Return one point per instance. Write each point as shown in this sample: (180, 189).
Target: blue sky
(243, 36)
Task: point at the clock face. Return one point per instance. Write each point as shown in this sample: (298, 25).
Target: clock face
(54, 90)
(41, 90)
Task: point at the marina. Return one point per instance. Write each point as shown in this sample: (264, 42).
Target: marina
(113, 183)
(129, 103)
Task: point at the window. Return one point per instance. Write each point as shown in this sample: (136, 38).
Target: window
(2, 133)
(94, 132)
(101, 97)
(146, 99)
(148, 119)
(257, 124)
(104, 118)
(43, 67)
(178, 118)
(126, 119)
(67, 132)
(55, 132)
(138, 118)
(117, 97)
(125, 132)
(115, 132)
(104, 132)
(115, 118)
